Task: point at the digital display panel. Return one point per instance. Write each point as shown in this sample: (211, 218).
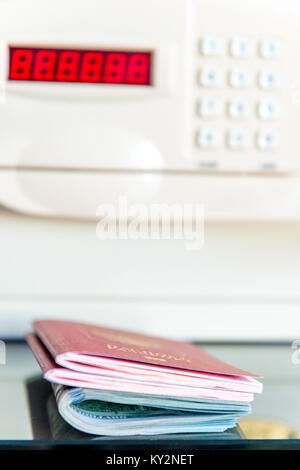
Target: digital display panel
(37, 64)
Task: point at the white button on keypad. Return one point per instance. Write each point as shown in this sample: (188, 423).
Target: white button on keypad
(266, 140)
(269, 48)
(212, 46)
(238, 78)
(267, 110)
(237, 139)
(208, 138)
(267, 79)
(209, 107)
(240, 47)
(238, 108)
(210, 77)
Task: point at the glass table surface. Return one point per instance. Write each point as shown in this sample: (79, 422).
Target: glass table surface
(29, 418)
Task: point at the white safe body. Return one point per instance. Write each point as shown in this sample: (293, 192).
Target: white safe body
(203, 132)
(218, 126)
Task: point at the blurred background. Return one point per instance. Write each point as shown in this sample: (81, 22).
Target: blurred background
(204, 111)
(243, 283)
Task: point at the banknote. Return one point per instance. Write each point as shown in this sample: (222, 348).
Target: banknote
(61, 430)
(84, 410)
(158, 401)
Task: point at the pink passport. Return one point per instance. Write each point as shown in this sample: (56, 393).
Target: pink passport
(83, 355)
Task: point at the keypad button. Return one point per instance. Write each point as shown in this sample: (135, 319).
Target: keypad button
(238, 108)
(238, 78)
(210, 77)
(207, 138)
(267, 79)
(269, 48)
(266, 140)
(267, 110)
(237, 139)
(209, 107)
(212, 46)
(240, 47)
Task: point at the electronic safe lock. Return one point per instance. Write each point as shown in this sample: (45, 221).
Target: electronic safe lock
(161, 100)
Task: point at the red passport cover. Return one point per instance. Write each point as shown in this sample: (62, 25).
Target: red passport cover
(60, 337)
(43, 357)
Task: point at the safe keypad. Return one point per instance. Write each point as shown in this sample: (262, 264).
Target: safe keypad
(239, 77)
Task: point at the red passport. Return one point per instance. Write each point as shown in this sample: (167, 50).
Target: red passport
(91, 356)
(62, 337)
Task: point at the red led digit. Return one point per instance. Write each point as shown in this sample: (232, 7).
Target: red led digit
(20, 64)
(67, 69)
(91, 67)
(44, 65)
(114, 67)
(138, 69)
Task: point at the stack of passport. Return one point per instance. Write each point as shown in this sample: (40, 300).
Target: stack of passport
(117, 383)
